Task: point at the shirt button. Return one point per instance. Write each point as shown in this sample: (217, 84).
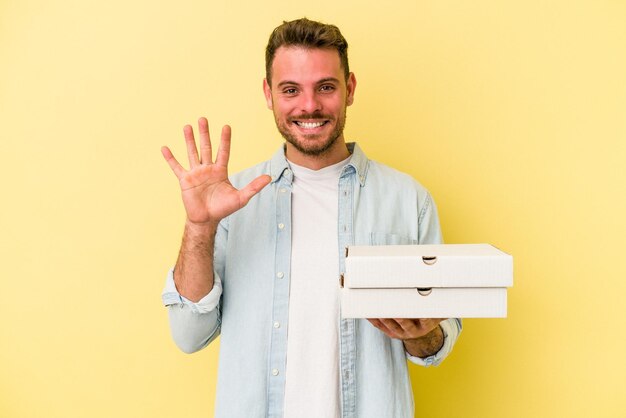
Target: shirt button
(275, 372)
(281, 225)
(282, 190)
(280, 275)
(276, 324)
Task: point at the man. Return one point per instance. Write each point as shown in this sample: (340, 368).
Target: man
(263, 273)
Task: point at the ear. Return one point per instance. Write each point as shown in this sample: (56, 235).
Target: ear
(267, 90)
(350, 88)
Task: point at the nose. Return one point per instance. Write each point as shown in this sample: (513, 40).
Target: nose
(310, 102)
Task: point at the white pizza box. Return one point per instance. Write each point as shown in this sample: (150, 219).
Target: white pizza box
(426, 281)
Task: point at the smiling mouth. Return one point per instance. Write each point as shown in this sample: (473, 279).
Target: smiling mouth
(310, 125)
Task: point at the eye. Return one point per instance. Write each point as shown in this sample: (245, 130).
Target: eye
(290, 91)
(327, 88)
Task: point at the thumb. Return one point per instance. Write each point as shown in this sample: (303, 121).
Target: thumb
(254, 187)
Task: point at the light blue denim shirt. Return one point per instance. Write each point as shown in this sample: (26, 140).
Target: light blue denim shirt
(248, 306)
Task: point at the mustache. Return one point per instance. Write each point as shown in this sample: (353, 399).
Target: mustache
(309, 116)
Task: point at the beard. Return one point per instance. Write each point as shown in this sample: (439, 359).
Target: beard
(312, 144)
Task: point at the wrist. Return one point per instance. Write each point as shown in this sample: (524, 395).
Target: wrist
(208, 228)
(426, 345)
(199, 238)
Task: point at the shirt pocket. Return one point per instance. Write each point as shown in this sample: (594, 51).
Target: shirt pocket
(380, 238)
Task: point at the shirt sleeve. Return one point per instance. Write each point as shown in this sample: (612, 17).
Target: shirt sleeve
(451, 329)
(430, 233)
(208, 303)
(428, 223)
(193, 324)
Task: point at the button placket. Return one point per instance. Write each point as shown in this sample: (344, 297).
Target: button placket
(347, 346)
(280, 311)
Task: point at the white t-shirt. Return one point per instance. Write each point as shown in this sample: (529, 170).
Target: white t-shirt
(312, 375)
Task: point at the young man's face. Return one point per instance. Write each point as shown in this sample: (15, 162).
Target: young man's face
(308, 96)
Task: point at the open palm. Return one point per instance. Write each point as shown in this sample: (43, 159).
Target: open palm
(207, 193)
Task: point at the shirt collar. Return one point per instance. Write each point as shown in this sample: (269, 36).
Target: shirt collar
(279, 166)
(359, 162)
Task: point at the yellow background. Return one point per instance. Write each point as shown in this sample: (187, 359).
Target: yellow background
(513, 114)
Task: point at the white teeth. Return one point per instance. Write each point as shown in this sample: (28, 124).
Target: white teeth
(310, 125)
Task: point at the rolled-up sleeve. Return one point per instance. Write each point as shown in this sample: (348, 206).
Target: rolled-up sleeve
(193, 324)
(451, 329)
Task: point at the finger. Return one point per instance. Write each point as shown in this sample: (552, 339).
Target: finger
(415, 328)
(376, 323)
(430, 323)
(408, 326)
(174, 165)
(223, 153)
(394, 329)
(253, 188)
(192, 152)
(206, 153)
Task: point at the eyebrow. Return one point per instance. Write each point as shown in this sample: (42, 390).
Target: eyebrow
(327, 79)
(321, 81)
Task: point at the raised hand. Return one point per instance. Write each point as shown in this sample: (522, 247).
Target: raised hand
(207, 193)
